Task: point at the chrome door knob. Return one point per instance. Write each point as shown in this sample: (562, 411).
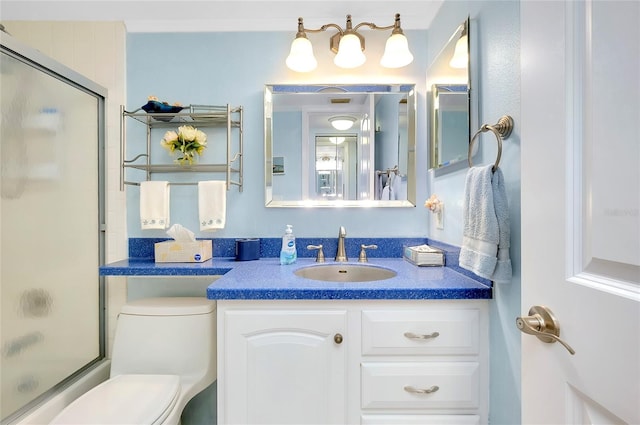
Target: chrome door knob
(542, 323)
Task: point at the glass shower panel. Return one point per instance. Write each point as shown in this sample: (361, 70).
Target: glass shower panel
(49, 230)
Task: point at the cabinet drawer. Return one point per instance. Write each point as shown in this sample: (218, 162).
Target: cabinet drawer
(447, 331)
(420, 420)
(388, 385)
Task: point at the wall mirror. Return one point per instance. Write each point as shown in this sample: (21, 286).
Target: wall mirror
(449, 82)
(343, 145)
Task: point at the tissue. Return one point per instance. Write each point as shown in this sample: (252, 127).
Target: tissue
(179, 233)
(184, 248)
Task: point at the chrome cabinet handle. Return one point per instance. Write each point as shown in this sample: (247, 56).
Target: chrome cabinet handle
(410, 389)
(412, 335)
(542, 323)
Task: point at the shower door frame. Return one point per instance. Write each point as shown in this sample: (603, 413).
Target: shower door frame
(47, 65)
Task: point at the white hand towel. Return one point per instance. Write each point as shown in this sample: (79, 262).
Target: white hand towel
(486, 233)
(396, 185)
(154, 204)
(385, 193)
(212, 204)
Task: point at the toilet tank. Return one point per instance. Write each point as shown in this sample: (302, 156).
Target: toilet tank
(173, 336)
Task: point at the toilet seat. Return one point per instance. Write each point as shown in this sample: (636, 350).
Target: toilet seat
(124, 399)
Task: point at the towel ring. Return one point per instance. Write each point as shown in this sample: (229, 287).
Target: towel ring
(502, 130)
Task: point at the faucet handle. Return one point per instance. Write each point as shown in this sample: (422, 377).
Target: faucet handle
(363, 253)
(320, 257)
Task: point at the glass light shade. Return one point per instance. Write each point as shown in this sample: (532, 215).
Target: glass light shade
(336, 140)
(301, 57)
(396, 52)
(350, 53)
(342, 122)
(460, 58)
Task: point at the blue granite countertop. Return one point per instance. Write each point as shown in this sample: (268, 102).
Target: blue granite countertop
(267, 279)
(148, 267)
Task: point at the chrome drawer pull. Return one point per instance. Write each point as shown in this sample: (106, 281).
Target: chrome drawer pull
(411, 389)
(411, 335)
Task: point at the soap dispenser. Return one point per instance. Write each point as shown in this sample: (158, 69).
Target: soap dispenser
(288, 253)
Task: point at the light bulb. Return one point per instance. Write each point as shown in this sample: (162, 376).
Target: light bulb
(396, 52)
(301, 57)
(342, 122)
(460, 57)
(350, 53)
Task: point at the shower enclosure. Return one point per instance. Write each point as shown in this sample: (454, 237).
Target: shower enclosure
(52, 137)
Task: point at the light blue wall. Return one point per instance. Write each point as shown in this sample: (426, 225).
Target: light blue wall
(496, 26)
(220, 68)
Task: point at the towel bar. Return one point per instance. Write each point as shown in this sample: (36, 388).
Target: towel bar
(388, 171)
(231, 182)
(502, 130)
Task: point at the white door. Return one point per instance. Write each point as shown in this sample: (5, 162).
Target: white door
(580, 209)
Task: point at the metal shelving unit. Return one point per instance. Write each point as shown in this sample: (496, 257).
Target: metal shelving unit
(197, 115)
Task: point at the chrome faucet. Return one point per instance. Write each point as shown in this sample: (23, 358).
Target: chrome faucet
(341, 254)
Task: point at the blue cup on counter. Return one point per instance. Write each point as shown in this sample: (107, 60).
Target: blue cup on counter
(247, 249)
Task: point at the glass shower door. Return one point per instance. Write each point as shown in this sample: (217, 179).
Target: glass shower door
(51, 212)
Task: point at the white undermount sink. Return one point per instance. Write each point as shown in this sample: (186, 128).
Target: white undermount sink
(345, 273)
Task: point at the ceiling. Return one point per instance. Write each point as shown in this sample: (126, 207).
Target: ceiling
(223, 15)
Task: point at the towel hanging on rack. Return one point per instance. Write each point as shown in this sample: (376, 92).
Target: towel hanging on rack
(212, 204)
(486, 231)
(154, 205)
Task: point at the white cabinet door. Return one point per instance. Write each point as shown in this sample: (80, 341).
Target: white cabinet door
(283, 367)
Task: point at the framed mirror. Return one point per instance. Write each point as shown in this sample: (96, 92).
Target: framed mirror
(344, 145)
(449, 83)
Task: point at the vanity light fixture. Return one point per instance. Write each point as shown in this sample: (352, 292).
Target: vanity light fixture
(348, 45)
(460, 58)
(342, 122)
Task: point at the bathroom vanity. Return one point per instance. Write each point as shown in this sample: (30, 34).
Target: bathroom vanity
(411, 349)
(349, 361)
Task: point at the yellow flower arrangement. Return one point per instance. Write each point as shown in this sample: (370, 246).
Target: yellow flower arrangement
(188, 141)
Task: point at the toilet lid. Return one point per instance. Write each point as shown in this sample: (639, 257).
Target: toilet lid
(124, 399)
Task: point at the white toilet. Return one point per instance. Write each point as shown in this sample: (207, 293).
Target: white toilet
(164, 353)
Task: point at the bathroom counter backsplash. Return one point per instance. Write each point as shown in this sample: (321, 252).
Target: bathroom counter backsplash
(270, 247)
(267, 279)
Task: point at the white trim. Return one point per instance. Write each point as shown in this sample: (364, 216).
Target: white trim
(574, 134)
(609, 286)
